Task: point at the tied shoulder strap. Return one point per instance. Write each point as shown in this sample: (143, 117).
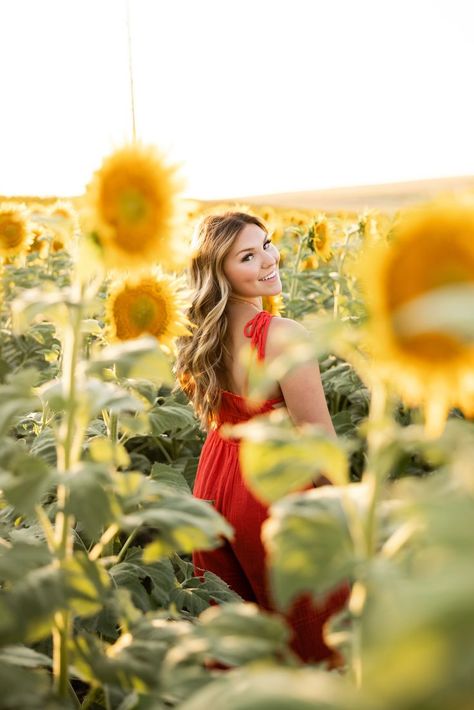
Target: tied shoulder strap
(257, 330)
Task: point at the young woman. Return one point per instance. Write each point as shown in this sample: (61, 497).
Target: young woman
(234, 266)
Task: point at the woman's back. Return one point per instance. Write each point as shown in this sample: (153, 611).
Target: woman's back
(246, 327)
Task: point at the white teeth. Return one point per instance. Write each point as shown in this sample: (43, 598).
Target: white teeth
(269, 276)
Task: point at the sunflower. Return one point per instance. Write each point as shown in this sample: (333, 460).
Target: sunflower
(16, 232)
(310, 263)
(284, 256)
(58, 243)
(150, 302)
(65, 219)
(321, 237)
(296, 218)
(273, 304)
(130, 208)
(420, 292)
(374, 225)
(266, 212)
(38, 243)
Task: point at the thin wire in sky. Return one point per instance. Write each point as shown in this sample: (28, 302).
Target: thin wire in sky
(130, 71)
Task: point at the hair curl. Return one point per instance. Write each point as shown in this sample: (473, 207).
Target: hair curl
(199, 366)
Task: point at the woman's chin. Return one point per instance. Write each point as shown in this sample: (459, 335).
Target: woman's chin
(272, 289)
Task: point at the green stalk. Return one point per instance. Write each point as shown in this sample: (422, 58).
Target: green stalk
(126, 545)
(294, 279)
(68, 454)
(340, 264)
(163, 450)
(366, 544)
(376, 470)
(336, 296)
(114, 433)
(90, 697)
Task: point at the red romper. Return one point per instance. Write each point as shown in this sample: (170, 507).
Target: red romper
(241, 563)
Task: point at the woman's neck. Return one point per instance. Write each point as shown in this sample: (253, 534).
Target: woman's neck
(238, 299)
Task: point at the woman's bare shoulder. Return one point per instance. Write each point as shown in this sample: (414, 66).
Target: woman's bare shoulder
(281, 331)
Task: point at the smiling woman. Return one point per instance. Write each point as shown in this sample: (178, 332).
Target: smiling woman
(253, 260)
(233, 268)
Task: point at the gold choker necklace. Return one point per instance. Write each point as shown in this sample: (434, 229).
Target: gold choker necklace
(241, 300)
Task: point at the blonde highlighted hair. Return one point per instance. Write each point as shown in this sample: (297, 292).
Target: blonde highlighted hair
(200, 366)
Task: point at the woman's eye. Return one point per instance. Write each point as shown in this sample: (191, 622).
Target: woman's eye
(269, 241)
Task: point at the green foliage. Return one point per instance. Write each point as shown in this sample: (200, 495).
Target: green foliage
(99, 601)
(309, 541)
(277, 459)
(277, 689)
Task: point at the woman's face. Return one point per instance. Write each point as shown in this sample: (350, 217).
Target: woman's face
(252, 258)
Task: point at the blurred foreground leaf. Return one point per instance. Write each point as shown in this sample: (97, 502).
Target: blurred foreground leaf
(309, 542)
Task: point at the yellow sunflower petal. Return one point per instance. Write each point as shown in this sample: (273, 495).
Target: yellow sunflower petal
(131, 208)
(420, 292)
(321, 238)
(273, 304)
(16, 232)
(148, 303)
(64, 220)
(310, 263)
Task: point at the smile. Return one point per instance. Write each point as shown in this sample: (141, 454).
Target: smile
(270, 277)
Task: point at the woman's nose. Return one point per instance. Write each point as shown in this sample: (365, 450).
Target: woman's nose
(272, 260)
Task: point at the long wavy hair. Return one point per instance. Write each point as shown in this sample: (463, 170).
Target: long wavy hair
(200, 365)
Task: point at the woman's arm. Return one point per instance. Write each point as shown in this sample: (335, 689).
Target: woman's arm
(301, 386)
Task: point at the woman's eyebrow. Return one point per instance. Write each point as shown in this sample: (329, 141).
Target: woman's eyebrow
(251, 248)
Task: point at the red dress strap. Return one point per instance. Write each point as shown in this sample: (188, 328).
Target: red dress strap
(257, 330)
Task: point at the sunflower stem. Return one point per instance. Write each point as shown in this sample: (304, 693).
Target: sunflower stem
(90, 697)
(47, 528)
(114, 429)
(340, 264)
(336, 295)
(126, 545)
(376, 469)
(105, 540)
(374, 476)
(69, 442)
(294, 279)
(164, 451)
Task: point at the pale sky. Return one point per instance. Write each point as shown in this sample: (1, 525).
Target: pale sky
(249, 96)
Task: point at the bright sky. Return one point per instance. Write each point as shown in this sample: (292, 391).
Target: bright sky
(250, 96)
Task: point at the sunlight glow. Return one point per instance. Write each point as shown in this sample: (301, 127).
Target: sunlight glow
(250, 97)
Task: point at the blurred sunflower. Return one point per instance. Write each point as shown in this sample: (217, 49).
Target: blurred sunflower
(296, 218)
(284, 256)
(266, 212)
(420, 296)
(321, 237)
(150, 302)
(130, 208)
(65, 218)
(16, 232)
(374, 225)
(310, 263)
(58, 243)
(273, 304)
(38, 243)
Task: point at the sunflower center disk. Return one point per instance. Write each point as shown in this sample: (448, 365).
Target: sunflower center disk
(138, 313)
(132, 206)
(11, 234)
(432, 347)
(425, 290)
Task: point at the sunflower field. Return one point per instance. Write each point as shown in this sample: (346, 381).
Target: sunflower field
(99, 605)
